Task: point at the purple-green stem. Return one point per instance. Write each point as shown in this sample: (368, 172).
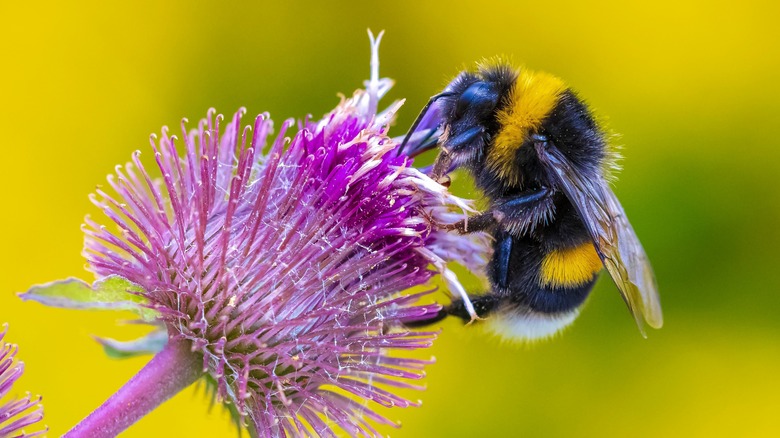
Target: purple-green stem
(171, 370)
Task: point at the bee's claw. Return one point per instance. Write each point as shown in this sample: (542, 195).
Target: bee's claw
(444, 180)
(475, 317)
(435, 223)
(429, 218)
(449, 227)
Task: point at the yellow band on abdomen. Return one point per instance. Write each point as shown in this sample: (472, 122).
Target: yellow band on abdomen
(570, 267)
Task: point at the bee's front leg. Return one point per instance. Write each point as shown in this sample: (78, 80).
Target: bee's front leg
(440, 168)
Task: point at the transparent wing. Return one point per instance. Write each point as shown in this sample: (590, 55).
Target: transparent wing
(612, 234)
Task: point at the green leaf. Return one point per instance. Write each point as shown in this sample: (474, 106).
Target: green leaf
(109, 293)
(149, 344)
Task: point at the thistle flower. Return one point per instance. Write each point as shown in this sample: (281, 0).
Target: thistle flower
(279, 274)
(16, 413)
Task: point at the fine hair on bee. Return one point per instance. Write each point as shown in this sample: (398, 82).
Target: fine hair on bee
(543, 163)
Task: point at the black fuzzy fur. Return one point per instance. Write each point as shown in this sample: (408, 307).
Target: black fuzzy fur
(535, 229)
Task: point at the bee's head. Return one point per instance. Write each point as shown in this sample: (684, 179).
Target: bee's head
(492, 117)
(469, 108)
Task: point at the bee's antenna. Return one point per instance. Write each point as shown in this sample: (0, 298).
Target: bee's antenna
(420, 117)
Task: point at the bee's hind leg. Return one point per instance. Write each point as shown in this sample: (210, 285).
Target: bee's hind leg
(483, 305)
(465, 300)
(452, 282)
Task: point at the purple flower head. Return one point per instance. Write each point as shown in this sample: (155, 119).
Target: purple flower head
(283, 260)
(15, 413)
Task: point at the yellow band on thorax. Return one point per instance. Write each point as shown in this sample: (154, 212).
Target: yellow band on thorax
(570, 267)
(531, 100)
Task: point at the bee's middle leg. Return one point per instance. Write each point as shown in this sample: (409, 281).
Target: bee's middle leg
(520, 211)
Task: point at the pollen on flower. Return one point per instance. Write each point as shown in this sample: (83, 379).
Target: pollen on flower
(284, 259)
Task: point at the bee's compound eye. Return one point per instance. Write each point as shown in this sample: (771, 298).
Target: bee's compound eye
(478, 96)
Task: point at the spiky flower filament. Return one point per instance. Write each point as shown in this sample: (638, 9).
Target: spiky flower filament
(282, 269)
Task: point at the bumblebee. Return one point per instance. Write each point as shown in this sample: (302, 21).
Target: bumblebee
(543, 163)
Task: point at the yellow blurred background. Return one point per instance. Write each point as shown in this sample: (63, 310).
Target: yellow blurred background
(691, 86)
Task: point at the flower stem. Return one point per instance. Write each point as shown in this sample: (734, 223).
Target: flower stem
(171, 370)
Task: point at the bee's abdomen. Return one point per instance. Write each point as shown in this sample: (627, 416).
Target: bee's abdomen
(564, 280)
(569, 267)
(548, 281)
